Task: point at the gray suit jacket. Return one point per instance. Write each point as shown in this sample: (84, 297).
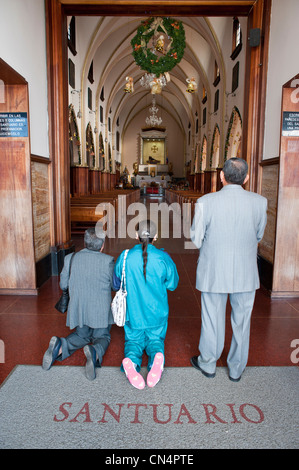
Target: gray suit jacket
(227, 227)
(89, 286)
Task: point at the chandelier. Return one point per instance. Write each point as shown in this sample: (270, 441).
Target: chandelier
(153, 120)
(149, 80)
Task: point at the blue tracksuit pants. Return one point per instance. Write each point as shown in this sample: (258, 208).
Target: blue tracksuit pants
(150, 340)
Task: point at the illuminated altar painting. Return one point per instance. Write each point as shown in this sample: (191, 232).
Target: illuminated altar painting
(153, 151)
(152, 170)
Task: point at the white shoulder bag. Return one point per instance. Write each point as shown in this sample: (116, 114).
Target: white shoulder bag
(119, 303)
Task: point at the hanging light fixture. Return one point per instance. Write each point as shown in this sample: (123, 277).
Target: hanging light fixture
(149, 80)
(153, 120)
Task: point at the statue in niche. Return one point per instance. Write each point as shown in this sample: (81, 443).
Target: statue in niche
(135, 168)
(170, 169)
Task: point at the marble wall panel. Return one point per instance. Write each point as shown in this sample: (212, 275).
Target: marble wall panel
(270, 190)
(41, 209)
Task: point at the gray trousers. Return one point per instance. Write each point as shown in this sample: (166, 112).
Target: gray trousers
(211, 344)
(98, 337)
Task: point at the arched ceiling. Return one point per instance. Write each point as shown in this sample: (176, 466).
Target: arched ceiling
(107, 42)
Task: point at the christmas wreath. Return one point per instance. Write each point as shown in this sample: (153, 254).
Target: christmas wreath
(146, 57)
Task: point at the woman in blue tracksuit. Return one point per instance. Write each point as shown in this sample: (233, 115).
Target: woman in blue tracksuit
(150, 272)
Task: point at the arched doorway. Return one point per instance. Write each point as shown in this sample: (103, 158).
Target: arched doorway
(234, 136)
(215, 149)
(258, 13)
(203, 154)
(74, 139)
(101, 152)
(196, 159)
(90, 153)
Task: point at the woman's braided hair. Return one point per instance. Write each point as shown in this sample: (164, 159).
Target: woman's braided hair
(146, 232)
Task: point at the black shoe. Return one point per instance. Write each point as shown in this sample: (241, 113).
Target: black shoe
(235, 380)
(52, 352)
(194, 362)
(91, 362)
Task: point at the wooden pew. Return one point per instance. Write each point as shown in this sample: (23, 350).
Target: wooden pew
(84, 212)
(181, 197)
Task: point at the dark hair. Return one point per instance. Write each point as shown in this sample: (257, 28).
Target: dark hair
(94, 239)
(235, 170)
(146, 232)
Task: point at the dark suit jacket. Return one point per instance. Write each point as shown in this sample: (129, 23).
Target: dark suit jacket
(89, 286)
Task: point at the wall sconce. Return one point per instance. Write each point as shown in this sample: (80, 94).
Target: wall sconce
(232, 94)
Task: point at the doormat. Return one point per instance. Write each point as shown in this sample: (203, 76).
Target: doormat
(61, 409)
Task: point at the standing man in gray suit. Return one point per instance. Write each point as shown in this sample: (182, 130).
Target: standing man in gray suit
(227, 227)
(89, 309)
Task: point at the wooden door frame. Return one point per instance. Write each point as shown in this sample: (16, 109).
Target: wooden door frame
(258, 13)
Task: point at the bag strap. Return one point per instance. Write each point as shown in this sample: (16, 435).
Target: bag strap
(123, 274)
(73, 256)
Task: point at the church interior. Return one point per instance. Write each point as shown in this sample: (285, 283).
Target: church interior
(127, 103)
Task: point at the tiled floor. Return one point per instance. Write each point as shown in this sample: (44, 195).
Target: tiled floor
(28, 322)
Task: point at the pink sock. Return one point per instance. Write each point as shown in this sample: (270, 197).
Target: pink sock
(133, 376)
(155, 373)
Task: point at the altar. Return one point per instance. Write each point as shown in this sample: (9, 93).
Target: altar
(153, 164)
(147, 169)
(147, 180)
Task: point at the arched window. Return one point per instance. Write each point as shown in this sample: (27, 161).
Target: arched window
(117, 141)
(237, 39)
(216, 74)
(204, 95)
(71, 36)
(102, 97)
(90, 73)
